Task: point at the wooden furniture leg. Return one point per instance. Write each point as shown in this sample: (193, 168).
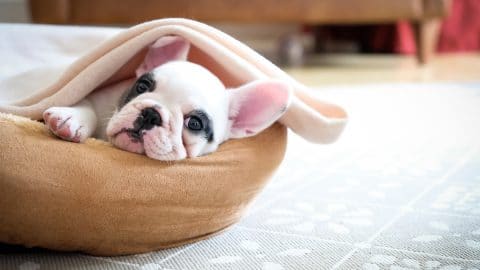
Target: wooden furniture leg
(426, 35)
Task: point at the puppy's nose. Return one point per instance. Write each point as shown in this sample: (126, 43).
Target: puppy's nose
(148, 118)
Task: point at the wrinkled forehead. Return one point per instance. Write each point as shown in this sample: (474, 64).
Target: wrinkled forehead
(188, 85)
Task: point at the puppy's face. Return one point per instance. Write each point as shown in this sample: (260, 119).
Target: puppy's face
(175, 111)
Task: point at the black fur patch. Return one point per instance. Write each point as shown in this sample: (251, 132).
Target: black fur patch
(146, 83)
(207, 130)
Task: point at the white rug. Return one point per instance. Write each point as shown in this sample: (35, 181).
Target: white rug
(400, 190)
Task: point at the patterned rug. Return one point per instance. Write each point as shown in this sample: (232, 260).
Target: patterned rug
(400, 190)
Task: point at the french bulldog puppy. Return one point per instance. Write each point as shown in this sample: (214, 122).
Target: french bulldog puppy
(175, 109)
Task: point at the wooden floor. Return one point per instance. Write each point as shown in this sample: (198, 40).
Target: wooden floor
(361, 69)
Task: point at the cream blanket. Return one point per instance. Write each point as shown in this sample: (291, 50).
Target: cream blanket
(119, 53)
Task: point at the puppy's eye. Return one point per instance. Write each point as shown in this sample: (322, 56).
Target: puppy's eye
(198, 123)
(143, 86)
(194, 123)
(146, 83)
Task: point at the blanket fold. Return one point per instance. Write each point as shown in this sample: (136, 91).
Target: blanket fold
(116, 59)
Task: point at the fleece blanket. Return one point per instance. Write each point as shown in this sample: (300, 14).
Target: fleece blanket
(98, 199)
(115, 60)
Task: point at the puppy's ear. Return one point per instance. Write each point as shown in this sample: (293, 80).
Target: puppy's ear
(257, 105)
(165, 49)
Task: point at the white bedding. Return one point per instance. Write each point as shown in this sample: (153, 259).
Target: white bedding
(25, 48)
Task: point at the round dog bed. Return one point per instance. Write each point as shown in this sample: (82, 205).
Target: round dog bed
(100, 200)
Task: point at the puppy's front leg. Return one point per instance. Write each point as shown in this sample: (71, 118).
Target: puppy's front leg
(74, 124)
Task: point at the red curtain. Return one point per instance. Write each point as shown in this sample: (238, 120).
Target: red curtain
(460, 31)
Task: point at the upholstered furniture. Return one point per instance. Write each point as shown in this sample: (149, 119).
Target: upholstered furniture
(425, 14)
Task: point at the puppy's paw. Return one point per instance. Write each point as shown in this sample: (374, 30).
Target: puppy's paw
(65, 123)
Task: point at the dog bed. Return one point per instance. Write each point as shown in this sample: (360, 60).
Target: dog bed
(100, 200)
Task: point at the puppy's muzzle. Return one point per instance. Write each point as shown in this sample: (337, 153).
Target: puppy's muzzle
(146, 120)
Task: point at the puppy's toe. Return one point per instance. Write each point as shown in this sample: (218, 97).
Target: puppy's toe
(64, 130)
(46, 115)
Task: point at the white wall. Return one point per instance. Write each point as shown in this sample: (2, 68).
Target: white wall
(14, 11)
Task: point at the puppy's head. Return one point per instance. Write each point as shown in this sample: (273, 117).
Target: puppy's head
(177, 109)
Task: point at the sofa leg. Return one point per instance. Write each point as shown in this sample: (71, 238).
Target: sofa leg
(426, 35)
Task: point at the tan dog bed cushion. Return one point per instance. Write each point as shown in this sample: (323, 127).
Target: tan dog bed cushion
(98, 199)
(101, 200)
